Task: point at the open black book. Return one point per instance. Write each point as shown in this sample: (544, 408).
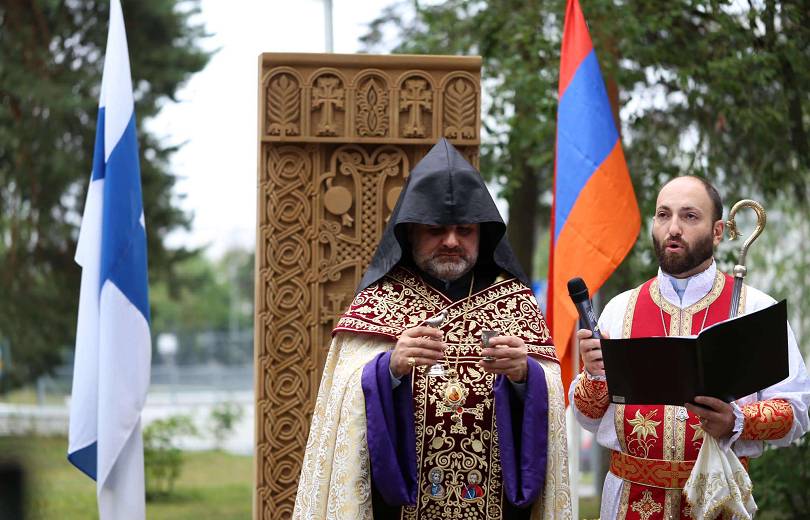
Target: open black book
(728, 360)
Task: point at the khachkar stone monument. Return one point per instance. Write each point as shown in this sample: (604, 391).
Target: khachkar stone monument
(338, 135)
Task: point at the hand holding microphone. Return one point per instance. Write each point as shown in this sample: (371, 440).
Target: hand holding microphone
(589, 345)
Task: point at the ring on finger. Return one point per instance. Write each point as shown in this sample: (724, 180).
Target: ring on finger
(411, 361)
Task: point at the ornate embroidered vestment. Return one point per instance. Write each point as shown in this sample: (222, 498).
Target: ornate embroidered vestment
(659, 444)
(457, 448)
(666, 433)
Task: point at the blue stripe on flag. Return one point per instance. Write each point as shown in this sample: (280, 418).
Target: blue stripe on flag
(123, 238)
(85, 460)
(98, 151)
(586, 133)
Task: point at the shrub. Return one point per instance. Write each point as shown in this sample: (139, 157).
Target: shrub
(781, 478)
(223, 419)
(163, 459)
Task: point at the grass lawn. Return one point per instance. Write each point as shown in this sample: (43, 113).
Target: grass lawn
(589, 507)
(212, 485)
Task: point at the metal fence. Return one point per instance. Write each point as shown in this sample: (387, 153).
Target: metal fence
(206, 361)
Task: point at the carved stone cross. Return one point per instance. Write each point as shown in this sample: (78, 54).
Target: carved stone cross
(414, 98)
(327, 96)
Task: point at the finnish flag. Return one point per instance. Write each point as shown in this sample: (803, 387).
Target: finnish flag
(113, 344)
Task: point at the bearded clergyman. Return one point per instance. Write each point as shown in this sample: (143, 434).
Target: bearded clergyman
(655, 449)
(441, 395)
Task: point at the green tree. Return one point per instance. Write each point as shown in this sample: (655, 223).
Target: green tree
(719, 89)
(709, 87)
(205, 296)
(519, 43)
(196, 300)
(782, 481)
(51, 59)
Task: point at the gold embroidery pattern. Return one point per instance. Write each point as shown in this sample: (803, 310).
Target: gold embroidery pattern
(680, 436)
(697, 433)
(391, 306)
(460, 448)
(624, 501)
(646, 506)
(555, 501)
(618, 424)
(678, 327)
(591, 397)
(711, 500)
(767, 420)
(643, 426)
(665, 474)
(672, 497)
(627, 324)
(507, 307)
(334, 470)
(402, 300)
(668, 446)
(672, 503)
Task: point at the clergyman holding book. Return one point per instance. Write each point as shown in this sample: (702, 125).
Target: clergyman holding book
(657, 470)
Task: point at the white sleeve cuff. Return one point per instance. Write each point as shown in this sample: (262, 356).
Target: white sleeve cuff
(739, 422)
(592, 377)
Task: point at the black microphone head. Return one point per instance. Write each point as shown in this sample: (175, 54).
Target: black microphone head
(577, 290)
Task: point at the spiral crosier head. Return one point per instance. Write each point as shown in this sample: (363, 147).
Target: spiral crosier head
(734, 233)
(740, 270)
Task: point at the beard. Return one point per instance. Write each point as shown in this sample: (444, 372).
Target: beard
(446, 268)
(691, 257)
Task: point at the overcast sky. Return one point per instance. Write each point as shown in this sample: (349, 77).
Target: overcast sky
(216, 116)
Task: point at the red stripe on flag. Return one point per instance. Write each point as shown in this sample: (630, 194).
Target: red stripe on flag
(576, 44)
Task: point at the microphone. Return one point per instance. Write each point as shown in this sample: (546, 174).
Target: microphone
(578, 292)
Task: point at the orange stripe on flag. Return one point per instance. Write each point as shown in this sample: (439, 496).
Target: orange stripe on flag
(600, 230)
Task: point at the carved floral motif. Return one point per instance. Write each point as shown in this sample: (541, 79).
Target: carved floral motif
(355, 194)
(283, 106)
(372, 109)
(460, 110)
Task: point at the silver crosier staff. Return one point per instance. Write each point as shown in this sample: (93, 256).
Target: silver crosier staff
(740, 270)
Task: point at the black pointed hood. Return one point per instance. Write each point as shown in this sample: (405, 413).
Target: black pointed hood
(444, 189)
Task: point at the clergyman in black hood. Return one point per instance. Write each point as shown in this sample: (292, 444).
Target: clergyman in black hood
(441, 395)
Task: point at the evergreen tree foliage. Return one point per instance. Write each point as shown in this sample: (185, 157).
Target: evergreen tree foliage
(519, 43)
(709, 87)
(51, 60)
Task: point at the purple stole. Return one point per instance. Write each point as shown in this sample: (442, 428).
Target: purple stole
(461, 443)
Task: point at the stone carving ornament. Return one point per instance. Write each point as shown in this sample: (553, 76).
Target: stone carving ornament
(372, 108)
(338, 136)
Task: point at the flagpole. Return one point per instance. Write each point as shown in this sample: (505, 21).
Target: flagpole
(327, 18)
(113, 341)
(575, 433)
